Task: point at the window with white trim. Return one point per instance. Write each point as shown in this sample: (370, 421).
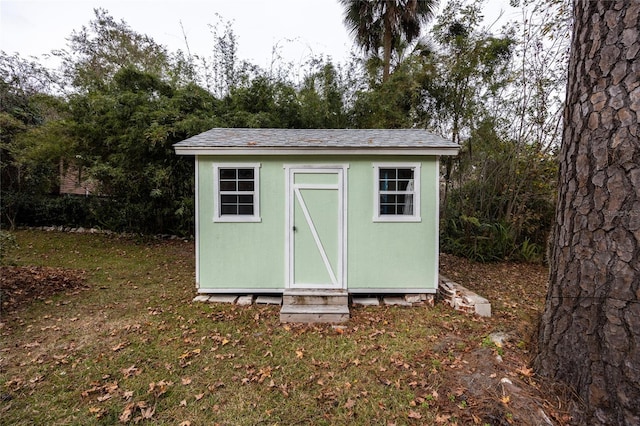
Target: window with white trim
(397, 192)
(236, 188)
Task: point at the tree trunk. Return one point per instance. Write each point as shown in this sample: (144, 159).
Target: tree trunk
(590, 329)
(386, 48)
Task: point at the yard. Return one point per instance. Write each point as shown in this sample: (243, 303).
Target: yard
(99, 329)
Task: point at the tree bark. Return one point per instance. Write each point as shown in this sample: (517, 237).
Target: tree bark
(590, 329)
(387, 46)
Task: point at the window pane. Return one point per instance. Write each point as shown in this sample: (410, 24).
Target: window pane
(228, 174)
(245, 174)
(387, 174)
(229, 199)
(245, 209)
(227, 185)
(403, 184)
(386, 209)
(226, 209)
(245, 185)
(387, 185)
(405, 173)
(245, 199)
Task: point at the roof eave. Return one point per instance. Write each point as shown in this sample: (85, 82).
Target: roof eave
(198, 150)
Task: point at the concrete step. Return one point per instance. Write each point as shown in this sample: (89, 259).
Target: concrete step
(315, 297)
(314, 313)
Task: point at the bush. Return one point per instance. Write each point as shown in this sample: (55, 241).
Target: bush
(76, 211)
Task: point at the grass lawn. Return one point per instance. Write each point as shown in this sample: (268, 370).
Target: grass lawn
(132, 347)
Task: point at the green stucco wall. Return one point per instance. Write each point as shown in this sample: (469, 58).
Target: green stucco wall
(379, 256)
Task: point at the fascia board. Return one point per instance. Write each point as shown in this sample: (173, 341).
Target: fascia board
(191, 150)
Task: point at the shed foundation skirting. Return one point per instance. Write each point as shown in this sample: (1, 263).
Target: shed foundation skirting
(410, 299)
(351, 291)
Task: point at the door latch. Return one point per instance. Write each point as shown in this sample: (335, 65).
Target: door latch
(295, 229)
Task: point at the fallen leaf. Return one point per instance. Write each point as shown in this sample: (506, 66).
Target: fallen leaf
(127, 394)
(442, 418)
(104, 397)
(299, 353)
(119, 346)
(218, 385)
(147, 413)
(505, 399)
(97, 411)
(131, 371)
(349, 404)
(183, 403)
(199, 396)
(527, 372)
(159, 388)
(126, 413)
(414, 415)
(36, 379)
(111, 387)
(186, 381)
(185, 423)
(87, 392)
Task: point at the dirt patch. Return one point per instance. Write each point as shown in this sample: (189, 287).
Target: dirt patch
(20, 285)
(496, 379)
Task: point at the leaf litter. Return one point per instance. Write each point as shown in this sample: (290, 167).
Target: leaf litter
(400, 365)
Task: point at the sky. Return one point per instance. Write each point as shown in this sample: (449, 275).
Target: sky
(300, 29)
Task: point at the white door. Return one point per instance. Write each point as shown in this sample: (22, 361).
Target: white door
(316, 227)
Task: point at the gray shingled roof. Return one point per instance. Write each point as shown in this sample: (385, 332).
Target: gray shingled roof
(317, 139)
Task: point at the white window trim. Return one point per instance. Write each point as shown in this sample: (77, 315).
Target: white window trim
(415, 217)
(255, 217)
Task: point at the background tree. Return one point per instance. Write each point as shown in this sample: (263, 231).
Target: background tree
(321, 97)
(497, 201)
(26, 107)
(99, 50)
(125, 134)
(385, 24)
(590, 329)
(126, 99)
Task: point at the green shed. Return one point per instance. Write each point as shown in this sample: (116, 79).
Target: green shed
(346, 210)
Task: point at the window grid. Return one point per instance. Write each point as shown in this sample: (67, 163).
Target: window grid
(236, 188)
(395, 189)
(236, 191)
(396, 192)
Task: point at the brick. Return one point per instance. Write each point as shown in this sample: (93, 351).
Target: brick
(223, 298)
(269, 300)
(245, 300)
(365, 301)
